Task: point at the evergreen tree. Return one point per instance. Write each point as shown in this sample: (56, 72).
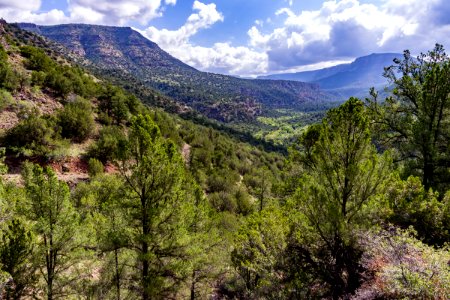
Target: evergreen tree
(55, 223)
(15, 258)
(160, 208)
(415, 119)
(343, 175)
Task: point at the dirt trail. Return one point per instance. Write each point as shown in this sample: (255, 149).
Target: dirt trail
(186, 153)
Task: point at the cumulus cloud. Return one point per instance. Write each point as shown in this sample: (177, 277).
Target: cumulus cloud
(339, 31)
(25, 5)
(116, 12)
(221, 57)
(109, 12)
(170, 2)
(343, 29)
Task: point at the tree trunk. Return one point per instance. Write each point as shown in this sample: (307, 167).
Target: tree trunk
(116, 258)
(145, 264)
(193, 286)
(428, 173)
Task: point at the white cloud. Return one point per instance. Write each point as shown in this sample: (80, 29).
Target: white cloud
(30, 5)
(221, 57)
(109, 12)
(117, 12)
(344, 29)
(339, 31)
(170, 2)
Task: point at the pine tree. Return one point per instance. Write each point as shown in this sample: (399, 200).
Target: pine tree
(415, 119)
(160, 207)
(343, 174)
(55, 223)
(16, 250)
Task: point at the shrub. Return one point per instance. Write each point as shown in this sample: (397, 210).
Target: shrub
(5, 99)
(95, 167)
(36, 59)
(76, 120)
(32, 136)
(110, 140)
(404, 267)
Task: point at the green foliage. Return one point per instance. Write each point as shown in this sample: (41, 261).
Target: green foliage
(16, 249)
(55, 223)
(258, 246)
(63, 80)
(32, 136)
(160, 207)
(100, 202)
(336, 196)
(3, 166)
(110, 143)
(406, 268)
(116, 104)
(37, 59)
(413, 206)
(95, 167)
(6, 99)
(76, 120)
(10, 79)
(415, 120)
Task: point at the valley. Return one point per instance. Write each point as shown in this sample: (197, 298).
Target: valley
(128, 174)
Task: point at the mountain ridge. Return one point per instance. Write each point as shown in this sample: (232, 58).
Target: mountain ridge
(222, 97)
(352, 79)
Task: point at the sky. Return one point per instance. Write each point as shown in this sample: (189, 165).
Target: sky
(255, 37)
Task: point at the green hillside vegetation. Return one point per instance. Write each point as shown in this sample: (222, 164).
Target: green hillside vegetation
(165, 208)
(113, 50)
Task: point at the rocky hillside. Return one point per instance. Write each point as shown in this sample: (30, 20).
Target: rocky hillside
(225, 98)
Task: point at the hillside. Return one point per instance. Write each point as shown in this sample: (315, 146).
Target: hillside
(104, 197)
(347, 80)
(222, 97)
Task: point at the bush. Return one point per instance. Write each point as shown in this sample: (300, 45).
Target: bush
(36, 59)
(412, 205)
(110, 141)
(9, 78)
(113, 102)
(95, 167)
(223, 201)
(243, 202)
(404, 267)
(5, 99)
(32, 136)
(76, 120)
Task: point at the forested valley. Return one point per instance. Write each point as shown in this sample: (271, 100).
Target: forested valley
(105, 197)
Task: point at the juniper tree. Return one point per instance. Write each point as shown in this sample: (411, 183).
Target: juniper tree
(415, 119)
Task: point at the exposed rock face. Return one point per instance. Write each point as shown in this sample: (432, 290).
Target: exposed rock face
(222, 97)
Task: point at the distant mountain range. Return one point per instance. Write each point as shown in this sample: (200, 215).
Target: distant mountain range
(347, 80)
(121, 50)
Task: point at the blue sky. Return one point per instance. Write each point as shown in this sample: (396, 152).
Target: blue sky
(253, 37)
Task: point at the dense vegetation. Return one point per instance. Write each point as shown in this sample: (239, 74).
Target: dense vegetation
(226, 98)
(175, 210)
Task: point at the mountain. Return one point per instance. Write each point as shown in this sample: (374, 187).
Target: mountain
(226, 98)
(346, 80)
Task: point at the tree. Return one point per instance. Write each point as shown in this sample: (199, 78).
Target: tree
(415, 119)
(101, 201)
(159, 205)
(15, 258)
(76, 120)
(31, 136)
(342, 177)
(114, 103)
(258, 246)
(55, 223)
(111, 139)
